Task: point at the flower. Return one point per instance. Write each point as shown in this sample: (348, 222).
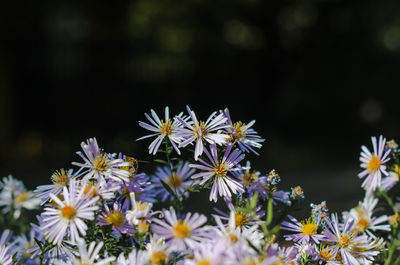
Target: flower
(373, 164)
(5, 256)
(60, 179)
(14, 196)
(243, 135)
(347, 245)
(116, 218)
(391, 180)
(307, 230)
(161, 129)
(178, 180)
(90, 255)
(135, 257)
(99, 165)
(69, 214)
(198, 131)
(363, 220)
(219, 169)
(181, 233)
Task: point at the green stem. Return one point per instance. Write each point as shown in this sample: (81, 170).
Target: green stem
(393, 246)
(180, 197)
(382, 193)
(167, 153)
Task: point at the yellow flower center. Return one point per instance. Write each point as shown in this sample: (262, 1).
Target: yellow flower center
(90, 188)
(181, 230)
(298, 191)
(22, 197)
(100, 163)
(394, 219)
(68, 212)
(199, 126)
(309, 227)
(362, 224)
(344, 241)
(221, 170)
(141, 206)
(174, 180)
(374, 164)
(204, 262)
(249, 178)
(60, 177)
(115, 218)
(241, 219)
(166, 127)
(233, 238)
(158, 258)
(143, 227)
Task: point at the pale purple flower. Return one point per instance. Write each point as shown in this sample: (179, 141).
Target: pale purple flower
(306, 231)
(373, 164)
(243, 135)
(116, 218)
(200, 131)
(218, 169)
(182, 234)
(69, 214)
(99, 165)
(178, 180)
(161, 129)
(5, 255)
(60, 179)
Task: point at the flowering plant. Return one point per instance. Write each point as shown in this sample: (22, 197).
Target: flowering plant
(106, 211)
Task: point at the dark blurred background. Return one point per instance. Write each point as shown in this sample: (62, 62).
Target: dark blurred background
(320, 78)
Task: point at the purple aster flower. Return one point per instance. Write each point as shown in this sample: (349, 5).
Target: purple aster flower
(306, 230)
(116, 217)
(345, 242)
(199, 131)
(162, 129)
(178, 180)
(243, 135)
(100, 165)
(218, 170)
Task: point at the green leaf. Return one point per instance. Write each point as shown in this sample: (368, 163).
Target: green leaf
(161, 161)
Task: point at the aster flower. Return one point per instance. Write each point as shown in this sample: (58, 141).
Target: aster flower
(102, 189)
(243, 135)
(69, 215)
(181, 234)
(199, 131)
(140, 211)
(117, 219)
(5, 255)
(306, 230)
(242, 219)
(99, 165)
(207, 254)
(89, 255)
(346, 244)
(392, 179)
(135, 257)
(14, 196)
(178, 180)
(363, 219)
(157, 251)
(23, 246)
(161, 129)
(373, 163)
(60, 179)
(218, 170)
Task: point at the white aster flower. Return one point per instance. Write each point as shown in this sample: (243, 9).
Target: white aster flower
(69, 214)
(363, 219)
(60, 179)
(219, 169)
(373, 163)
(100, 165)
(14, 196)
(199, 131)
(182, 234)
(161, 129)
(89, 255)
(135, 257)
(5, 256)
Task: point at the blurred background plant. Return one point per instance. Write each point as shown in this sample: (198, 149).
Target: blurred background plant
(320, 77)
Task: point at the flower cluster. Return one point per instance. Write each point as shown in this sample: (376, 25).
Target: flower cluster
(104, 210)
